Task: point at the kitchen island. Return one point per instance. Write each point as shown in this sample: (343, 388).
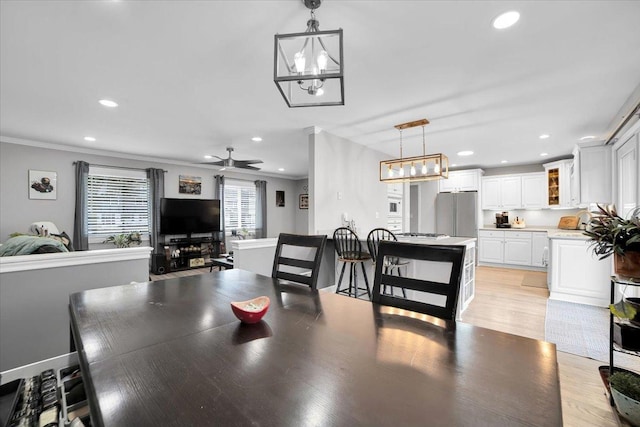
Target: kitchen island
(467, 283)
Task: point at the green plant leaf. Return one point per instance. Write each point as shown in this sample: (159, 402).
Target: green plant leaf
(623, 310)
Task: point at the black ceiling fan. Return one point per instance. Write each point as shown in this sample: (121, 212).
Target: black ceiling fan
(229, 163)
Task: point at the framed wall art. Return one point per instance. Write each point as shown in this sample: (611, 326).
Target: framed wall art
(188, 184)
(303, 202)
(43, 185)
(280, 198)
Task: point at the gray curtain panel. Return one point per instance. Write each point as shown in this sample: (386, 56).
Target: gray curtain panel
(80, 223)
(218, 193)
(261, 209)
(156, 193)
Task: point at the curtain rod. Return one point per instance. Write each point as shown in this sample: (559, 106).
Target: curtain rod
(119, 167)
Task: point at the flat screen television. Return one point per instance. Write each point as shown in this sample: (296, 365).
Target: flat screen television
(186, 216)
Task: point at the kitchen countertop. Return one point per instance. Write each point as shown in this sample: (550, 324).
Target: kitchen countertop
(552, 232)
(436, 242)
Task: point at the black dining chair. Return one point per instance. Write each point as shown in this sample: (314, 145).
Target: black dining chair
(293, 267)
(349, 250)
(392, 264)
(435, 292)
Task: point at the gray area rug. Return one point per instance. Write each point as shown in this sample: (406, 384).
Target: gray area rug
(578, 329)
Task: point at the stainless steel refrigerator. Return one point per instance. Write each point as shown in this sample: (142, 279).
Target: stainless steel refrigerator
(457, 214)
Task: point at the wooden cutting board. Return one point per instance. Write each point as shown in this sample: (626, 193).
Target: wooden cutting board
(569, 222)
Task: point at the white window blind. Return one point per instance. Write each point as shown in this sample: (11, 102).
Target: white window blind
(118, 201)
(239, 206)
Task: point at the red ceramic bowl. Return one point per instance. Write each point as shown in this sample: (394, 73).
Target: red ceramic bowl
(251, 311)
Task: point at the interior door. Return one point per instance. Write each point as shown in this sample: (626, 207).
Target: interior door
(414, 209)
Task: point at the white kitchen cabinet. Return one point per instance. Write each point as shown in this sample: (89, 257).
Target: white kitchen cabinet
(539, 249)
(558, 185)
(464, 180)
(491, 246)
(593, 173)
(576, 273)
(513, 247)
(533, 192)
(501, 192)
(517, 248)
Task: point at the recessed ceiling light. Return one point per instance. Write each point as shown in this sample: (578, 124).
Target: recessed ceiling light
(89, 138)
(256, 139)
(108, 103)
(584, 138)
(506, 20)
(208, 156)
(465, 153)
(544, 154)
(544, 136)
(453, 165)
(504, 161)
(281, 169)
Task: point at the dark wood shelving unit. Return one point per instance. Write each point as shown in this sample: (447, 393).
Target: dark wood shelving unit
(606, 371)
(191, 248)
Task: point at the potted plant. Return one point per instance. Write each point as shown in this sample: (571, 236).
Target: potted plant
(613, 235)
(124, 240)
(625, 389)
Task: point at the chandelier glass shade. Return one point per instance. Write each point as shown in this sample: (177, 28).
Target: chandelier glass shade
(308, 66)
(417, 168)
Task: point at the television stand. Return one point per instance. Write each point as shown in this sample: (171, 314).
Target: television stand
(184, 253)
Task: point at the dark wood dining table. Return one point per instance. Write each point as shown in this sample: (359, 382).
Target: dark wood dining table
(172, 353)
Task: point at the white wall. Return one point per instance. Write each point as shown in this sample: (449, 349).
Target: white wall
(344, 177)
(17, 211)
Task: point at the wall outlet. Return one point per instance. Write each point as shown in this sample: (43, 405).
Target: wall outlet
(377, 215)
(339, 195)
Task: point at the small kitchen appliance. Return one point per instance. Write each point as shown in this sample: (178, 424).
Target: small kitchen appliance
(502, 220)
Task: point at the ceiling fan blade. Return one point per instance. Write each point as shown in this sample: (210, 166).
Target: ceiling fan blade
(218, 163)
(253, 168)
(221, 158)
(248, 162)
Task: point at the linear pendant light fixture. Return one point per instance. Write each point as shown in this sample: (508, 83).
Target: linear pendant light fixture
(308, 67)
(419, 168)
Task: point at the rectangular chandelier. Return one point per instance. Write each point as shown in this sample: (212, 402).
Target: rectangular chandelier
(427, 167)
(306, 72)
(309, 66)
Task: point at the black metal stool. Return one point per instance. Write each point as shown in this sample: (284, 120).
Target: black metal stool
(349, 250)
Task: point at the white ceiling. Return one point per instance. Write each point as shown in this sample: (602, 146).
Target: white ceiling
(193, 77)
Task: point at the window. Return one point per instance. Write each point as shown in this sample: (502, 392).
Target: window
(118, 202)
(239, 205)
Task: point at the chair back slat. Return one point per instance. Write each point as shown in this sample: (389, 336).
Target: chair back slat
(374, 238)
(347, 243)
(312, 267)
(452, 256)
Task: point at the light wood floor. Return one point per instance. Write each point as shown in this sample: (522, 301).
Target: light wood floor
(502, 303)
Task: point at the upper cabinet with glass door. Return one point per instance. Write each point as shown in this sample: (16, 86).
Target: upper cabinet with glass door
(558, 184)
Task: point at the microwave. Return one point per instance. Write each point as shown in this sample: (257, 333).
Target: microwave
(395, 206)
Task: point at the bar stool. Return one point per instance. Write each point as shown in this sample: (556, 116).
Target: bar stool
(390, 264)
(349, 250)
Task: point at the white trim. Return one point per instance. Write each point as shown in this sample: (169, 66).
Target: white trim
(253, 243)
(35, 368)
(64, 259)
